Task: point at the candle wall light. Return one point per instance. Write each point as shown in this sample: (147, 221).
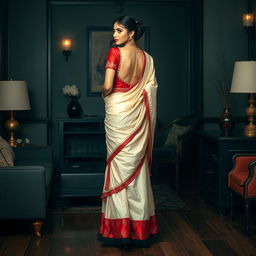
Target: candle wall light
(66, 47)
(248, 20)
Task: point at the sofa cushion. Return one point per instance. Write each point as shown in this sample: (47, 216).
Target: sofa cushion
(7, 155)
(239, 177)
(173, 134)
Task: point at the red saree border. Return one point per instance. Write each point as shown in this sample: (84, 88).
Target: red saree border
(149, 150)
(116, 151)
(122, 145)
(127, 228)
(126, 183)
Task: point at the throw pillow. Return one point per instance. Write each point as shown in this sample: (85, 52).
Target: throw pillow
(174, 133)
(6, 153)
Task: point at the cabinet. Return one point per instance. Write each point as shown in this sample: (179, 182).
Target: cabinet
(82, 156)
(215, 158)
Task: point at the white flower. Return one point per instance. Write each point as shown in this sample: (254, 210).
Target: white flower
(27, 140)
(70, 90)
(19, 141)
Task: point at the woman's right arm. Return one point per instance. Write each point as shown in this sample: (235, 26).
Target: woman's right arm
(108, 83)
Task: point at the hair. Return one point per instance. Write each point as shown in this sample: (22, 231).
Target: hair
(131, 25)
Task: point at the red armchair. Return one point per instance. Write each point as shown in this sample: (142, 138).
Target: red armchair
(242, 181)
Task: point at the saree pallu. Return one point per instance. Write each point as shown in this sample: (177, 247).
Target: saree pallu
(128, 210)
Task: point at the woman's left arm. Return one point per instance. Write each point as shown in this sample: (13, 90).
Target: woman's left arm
(108, 83)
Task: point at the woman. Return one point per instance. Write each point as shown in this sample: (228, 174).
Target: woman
(129, 91)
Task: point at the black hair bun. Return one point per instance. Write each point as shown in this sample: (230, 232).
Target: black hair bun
(139, 31)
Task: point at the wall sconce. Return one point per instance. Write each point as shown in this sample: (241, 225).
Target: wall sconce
(66, 47)
(248, 20)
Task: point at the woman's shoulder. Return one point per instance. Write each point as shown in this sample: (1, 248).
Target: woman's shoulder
(113, 54)
(114, 50)
(147, 54)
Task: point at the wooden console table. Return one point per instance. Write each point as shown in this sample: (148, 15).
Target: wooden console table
(215, 158)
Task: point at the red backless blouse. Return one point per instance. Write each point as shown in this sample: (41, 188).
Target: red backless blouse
(113, 62)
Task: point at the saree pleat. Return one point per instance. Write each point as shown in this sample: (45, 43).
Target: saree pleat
(128, 210)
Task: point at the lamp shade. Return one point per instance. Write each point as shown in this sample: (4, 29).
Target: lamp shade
(14, 95)
(244, 77)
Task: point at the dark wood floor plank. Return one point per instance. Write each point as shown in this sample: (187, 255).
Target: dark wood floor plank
(154, 249)
(39, 246)
(199, 224)
(238, 242)
(219, 247)
(166, 237)
(87, 223)
(70, 238)
(171, 249)
(15, 245)
(163, 230)
(184, 236)
(2, 239)
(133, 251)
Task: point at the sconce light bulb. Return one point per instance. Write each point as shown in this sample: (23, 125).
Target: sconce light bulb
(66, 48)
(66, 43)
(248, 20)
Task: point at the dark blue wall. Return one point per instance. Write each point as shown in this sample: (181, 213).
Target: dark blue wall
(225, 41)
(31, 26)
(27, 60)
(3, 38)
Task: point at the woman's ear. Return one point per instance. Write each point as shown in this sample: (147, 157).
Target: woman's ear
(131, 34)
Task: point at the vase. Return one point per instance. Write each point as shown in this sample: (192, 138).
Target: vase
(226, 122)
(74, 109)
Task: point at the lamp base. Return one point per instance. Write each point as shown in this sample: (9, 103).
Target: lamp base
(250, 130)
(11, 126)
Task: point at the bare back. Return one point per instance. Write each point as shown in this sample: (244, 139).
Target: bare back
(131, 65)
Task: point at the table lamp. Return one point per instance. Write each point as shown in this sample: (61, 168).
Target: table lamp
(13, 96)
(244, 81)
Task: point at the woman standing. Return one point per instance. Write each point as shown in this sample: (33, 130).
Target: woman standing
(129, 91)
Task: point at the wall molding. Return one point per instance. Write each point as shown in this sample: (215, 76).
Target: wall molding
(148, 2)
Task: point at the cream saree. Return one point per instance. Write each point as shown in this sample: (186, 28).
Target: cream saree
(128, 211)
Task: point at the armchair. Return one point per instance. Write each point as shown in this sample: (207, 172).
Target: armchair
(172, 145)
(242, 181)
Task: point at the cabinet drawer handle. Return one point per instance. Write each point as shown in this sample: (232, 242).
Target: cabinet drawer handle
(213, 156)
(75, 166)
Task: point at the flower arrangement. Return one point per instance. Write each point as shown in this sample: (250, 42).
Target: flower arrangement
(221, 75)
(70, 90)
(21, 142)
(224, 92)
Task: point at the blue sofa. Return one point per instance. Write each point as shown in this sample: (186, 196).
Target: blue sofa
(25, 188)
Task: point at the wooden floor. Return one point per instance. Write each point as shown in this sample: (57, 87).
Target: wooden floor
(195, 232)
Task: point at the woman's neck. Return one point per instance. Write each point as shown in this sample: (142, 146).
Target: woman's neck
(131, 44)
(128, 45)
